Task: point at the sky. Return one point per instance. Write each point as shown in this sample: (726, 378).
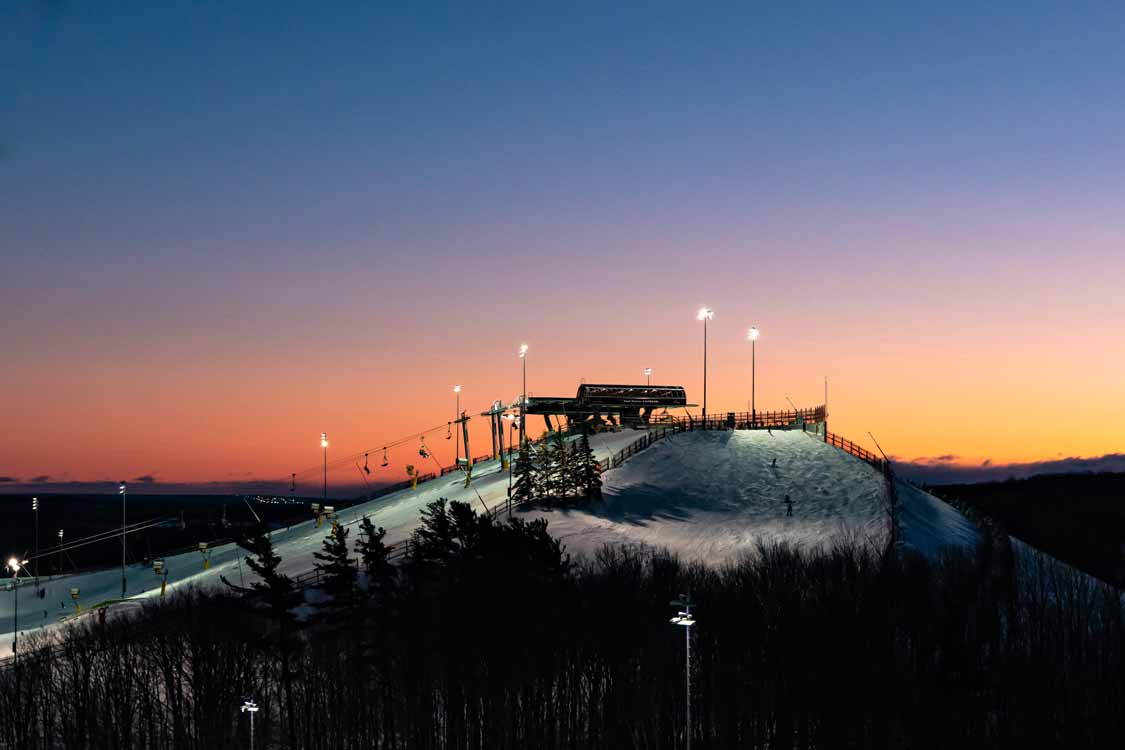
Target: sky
(228, 227)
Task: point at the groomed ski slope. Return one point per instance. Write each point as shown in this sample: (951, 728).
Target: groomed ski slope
(398, 513)
(707, 496)
(712, 496)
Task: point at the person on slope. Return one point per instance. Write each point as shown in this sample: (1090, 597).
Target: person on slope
(788, 506)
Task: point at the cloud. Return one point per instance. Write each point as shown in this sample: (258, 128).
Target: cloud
(8, 480)
(145, 479)
(933, 471)
(946, 458)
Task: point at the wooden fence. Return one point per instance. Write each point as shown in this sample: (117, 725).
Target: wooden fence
(856, 450)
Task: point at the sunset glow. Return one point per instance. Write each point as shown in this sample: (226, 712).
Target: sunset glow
(272, 248)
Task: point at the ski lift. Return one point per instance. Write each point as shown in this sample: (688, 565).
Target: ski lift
(366, 469)
(422, 449)
(385, 461)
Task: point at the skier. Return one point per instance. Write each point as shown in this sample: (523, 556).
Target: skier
(788, 506)
(774, 464)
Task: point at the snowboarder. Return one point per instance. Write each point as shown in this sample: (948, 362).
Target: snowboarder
(788, 506)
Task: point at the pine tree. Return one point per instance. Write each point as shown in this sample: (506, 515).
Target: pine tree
(541, 471)
(336, 569)
(432, 541)
(264, 561)
(589, 475)
(373, 552)
(560, 465)
(523, 474)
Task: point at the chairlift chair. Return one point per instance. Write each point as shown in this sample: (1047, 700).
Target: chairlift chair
(385, 461)
(366, 469)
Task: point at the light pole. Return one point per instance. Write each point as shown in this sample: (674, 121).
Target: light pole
(705, 314)
(250, 707)
(324, 447)
(523, 394)
(59, 571)
(752, 337)
(684, 618)
(511, 419)
(14, 564)
(121, 489)
(35, 507)
(456, 416)
(648, 376)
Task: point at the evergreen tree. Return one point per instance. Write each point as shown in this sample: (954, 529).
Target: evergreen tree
(589, 474)
(432, 541)
(523, 473)
(373, 552)
(336, 569)
(560, 466)
(541, 471)
(278, 588)
(264, 561)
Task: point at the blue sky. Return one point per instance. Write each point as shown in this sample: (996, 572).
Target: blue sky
(229, 183)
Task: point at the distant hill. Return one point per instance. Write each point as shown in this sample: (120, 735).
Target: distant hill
(1079, 518)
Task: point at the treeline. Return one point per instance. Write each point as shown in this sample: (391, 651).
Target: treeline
(557, 471)
(1079, 518)
(489, 636)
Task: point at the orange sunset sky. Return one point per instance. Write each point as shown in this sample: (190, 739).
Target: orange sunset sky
(238, 231)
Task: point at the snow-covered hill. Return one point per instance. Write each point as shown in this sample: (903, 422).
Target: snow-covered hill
(704, 495)
(712, 496)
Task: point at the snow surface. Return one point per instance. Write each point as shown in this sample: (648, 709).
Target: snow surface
(398, 513)
(713, 496)
(709, 496)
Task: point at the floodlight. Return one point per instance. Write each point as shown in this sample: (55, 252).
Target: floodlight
(752, 335)
(705, 313)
